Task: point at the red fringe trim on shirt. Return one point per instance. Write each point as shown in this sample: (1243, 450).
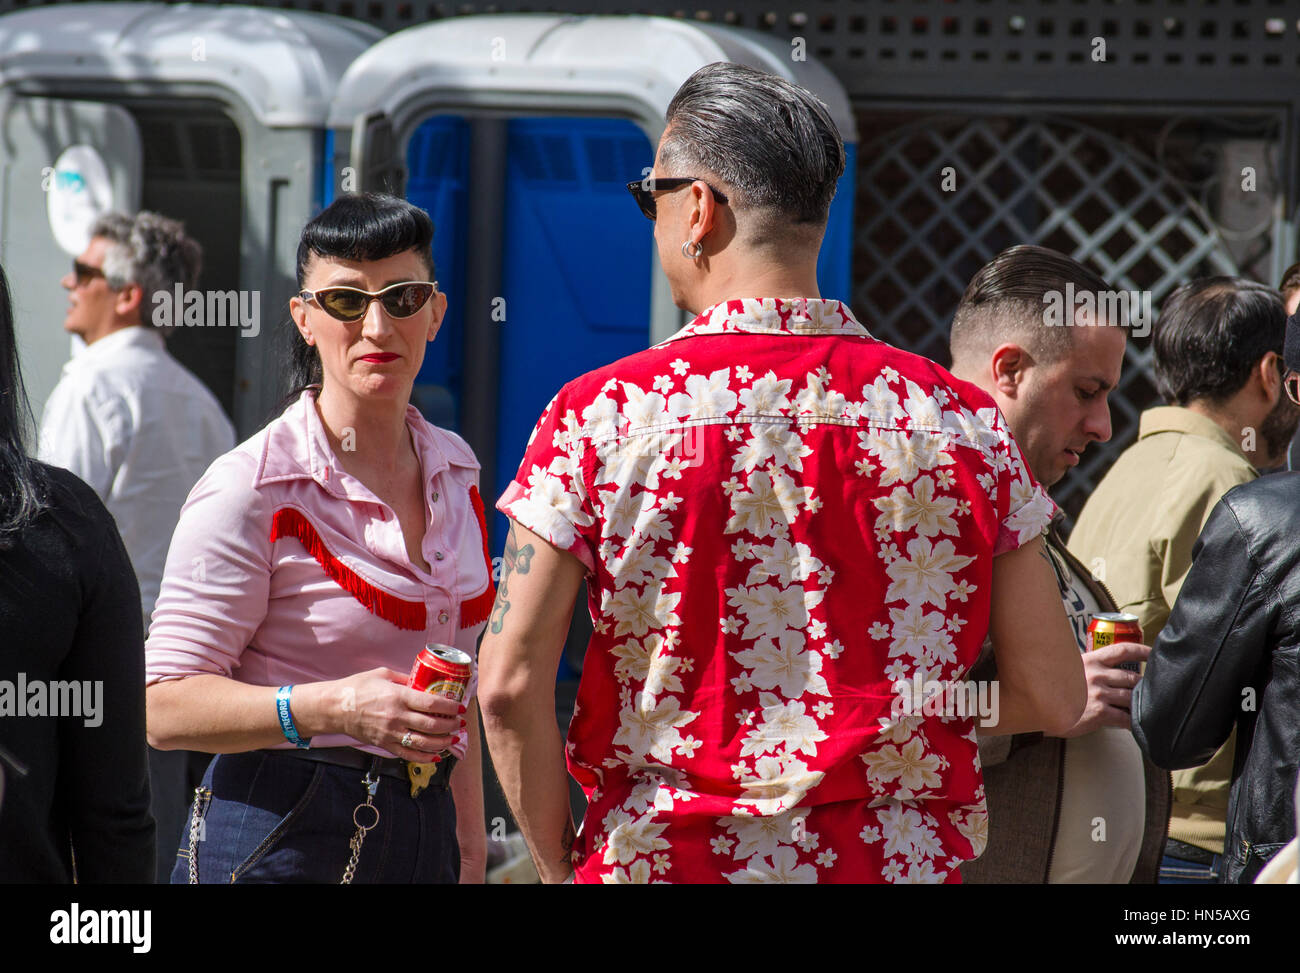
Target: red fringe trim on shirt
(478, 608)
(410, 615)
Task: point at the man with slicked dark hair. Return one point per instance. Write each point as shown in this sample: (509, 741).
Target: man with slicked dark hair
(785, 527)
(1050, 376)
(1217, 344)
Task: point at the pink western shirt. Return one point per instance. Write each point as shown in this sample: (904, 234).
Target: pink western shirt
(285, 569)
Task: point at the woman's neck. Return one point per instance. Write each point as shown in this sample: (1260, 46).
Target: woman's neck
(370, 435)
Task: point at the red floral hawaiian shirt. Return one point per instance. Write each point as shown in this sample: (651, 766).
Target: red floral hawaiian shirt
(783, 519)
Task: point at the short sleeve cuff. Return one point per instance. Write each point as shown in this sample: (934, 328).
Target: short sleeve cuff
(545, 520)
(1026, 521)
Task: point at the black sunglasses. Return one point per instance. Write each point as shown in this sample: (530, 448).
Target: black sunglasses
(643, 191)
(85, 273)
(400, 300)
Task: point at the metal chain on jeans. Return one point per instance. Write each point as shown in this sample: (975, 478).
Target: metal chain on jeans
(371, 782)
(201, 797)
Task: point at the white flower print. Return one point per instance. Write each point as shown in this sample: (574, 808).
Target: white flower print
(783, 725)
(552, 510)
(770, 610)
(925, 575)
(919, 633)
(827, 858)
(816, 400)
(758, 315)
(764, 834)
(774, 441)
(637, 874)
(922, 409)
(663, 384)
(912, 767)
(788, 563)
(917, 508)
(639, 566)
(833, 649)
(643, 408)
(720, 844)
(880, 403)
(767, 395)
(651, 728)
(743, 374)
(639, 612)
(645, 663)
(680, 366)
(902, 455)
(772, 499)
(784, 869)
(784, 665)
(709, 396)
(776, 788)
(629, 837)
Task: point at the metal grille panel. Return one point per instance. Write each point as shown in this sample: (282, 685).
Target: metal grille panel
(1061, 184)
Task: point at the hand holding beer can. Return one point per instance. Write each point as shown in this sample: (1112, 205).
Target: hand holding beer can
(1107, 628)
(443, 670)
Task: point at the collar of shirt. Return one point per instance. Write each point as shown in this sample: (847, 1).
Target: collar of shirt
(298, 448)
(774, 315)
(136, 336)
(1175, 418)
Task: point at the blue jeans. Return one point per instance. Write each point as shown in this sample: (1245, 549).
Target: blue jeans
(1179, 871)
(276, 818)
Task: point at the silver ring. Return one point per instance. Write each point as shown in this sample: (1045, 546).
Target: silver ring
(406, 740)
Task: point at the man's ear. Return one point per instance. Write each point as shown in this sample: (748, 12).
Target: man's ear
(1007, 367)
(130, 300)
(1270, 376)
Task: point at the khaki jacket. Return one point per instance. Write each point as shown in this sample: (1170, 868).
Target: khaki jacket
(1136, 533)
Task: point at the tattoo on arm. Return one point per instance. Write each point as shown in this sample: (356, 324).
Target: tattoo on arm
(515, 560)
(566, 842)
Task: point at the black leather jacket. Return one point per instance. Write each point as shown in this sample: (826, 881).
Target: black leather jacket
(1229, 654)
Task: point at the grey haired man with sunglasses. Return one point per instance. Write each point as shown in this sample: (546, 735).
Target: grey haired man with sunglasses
(134, 424)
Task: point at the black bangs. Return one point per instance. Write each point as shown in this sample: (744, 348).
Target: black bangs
(366, 226)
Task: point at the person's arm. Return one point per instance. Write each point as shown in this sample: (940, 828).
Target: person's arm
(467, 793)
(517, 662)
(1192, 692)
(103, 781)
(213, 598)
(1040, 674)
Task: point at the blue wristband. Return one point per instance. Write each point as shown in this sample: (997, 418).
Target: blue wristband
(286, 719)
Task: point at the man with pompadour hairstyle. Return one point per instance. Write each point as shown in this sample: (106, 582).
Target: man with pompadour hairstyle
(788, 530)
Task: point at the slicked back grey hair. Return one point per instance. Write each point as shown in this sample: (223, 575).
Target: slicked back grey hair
(150, 250)
(772, 143)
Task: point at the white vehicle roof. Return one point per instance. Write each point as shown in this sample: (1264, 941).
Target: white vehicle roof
(283, 64)
(557, 63)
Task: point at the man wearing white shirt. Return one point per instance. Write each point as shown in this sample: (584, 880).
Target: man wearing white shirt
(134, 424)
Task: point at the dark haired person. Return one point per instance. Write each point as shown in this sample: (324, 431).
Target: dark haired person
(1223, 675)
(136, 425)
(1217, 344)
(71, 668)
(747, 713)
(1045, 792)
(310, 566)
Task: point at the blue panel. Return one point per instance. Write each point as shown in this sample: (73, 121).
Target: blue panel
(326, 170)
(577, 265)
(835, 262)
(437, 159)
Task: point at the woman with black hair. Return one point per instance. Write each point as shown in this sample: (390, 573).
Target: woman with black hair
(72, 746)
(310, 566)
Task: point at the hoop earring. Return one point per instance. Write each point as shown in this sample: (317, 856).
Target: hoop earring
(686, 252)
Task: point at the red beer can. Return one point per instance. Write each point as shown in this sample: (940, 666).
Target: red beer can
(443, 670)
(1107, 628)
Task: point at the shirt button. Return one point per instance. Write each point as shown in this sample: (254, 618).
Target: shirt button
(443, 617)
(435, 496)
(438, 555)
